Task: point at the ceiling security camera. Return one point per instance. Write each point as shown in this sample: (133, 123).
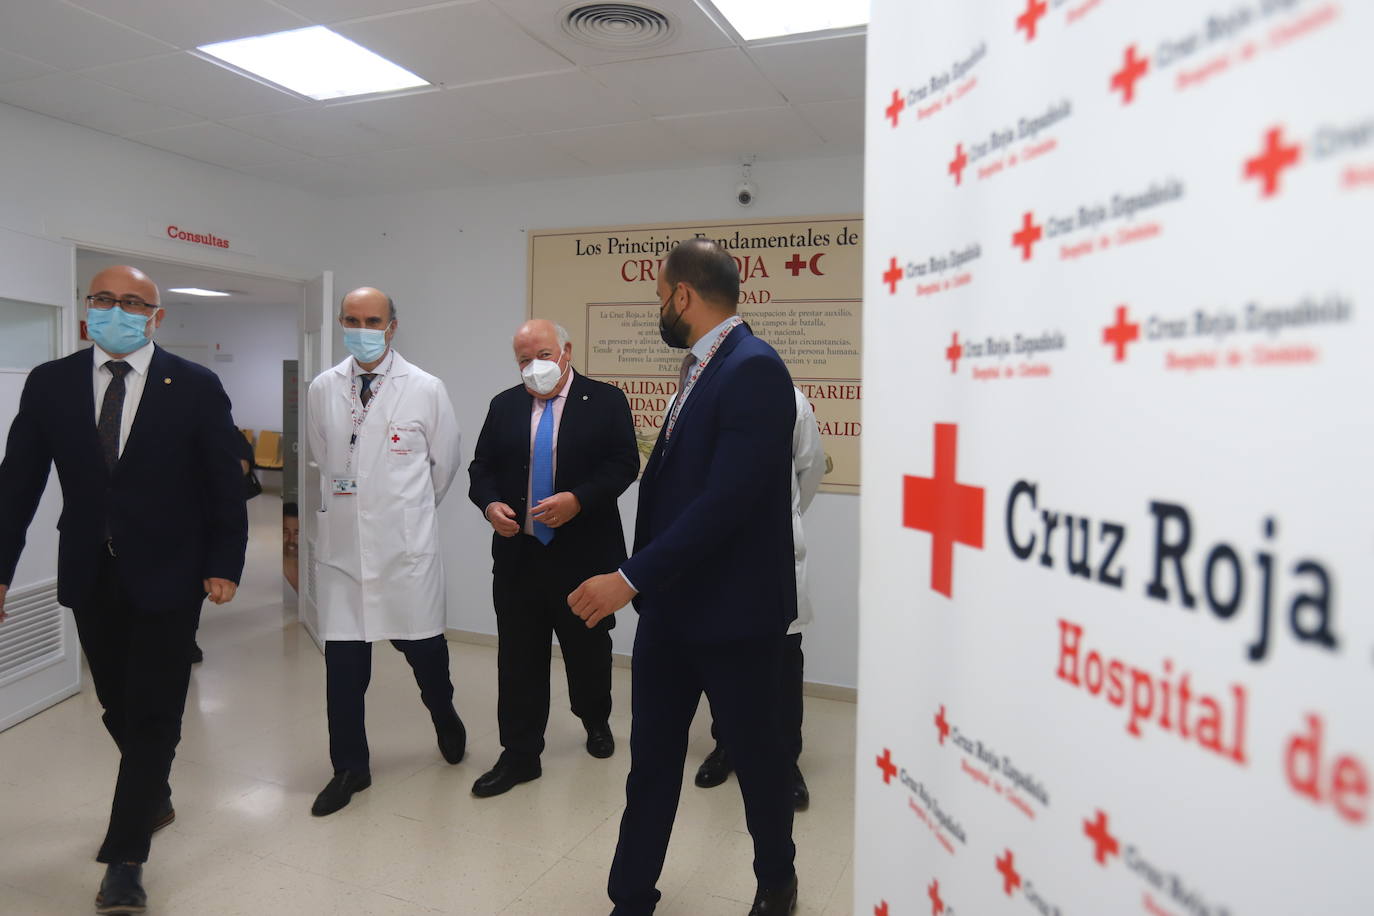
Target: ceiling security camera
(745, 192)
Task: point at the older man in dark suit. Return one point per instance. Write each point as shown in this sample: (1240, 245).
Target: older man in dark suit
(153, 521)
(712, 579)
(554, 455)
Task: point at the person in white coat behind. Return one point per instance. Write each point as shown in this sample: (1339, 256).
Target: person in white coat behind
(808, 467)
(387, 443)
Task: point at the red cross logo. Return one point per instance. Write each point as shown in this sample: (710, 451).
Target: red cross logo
(952, 512)
(887, 766)
(892, 276)
(1030, 17)
(1106, 844)
(1269, 165)
(880, 909)
(894, 111)
(937, 906)
(1132, 69)
(797, 264)
(1026, 237)
(1010, 879)
(953, 353)
(1121, 333)
(956, 165)
(395, 438)
(942, 725)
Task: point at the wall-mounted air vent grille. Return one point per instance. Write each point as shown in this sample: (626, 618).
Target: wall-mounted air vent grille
(31, 638)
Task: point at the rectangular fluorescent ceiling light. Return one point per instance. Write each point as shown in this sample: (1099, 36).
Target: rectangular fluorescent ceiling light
(314, 62)
(197, 291)
(757, 19)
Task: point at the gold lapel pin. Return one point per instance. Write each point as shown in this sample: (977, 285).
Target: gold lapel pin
(584, 397)
(167, 380)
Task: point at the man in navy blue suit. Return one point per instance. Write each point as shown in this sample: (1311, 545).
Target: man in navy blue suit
(712, 578)
(153, 521)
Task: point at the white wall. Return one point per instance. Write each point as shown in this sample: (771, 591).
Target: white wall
(258, 337)
(455, 262)
(58, 181)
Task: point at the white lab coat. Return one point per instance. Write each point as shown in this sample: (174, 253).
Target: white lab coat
(808, 467)
(378, 567)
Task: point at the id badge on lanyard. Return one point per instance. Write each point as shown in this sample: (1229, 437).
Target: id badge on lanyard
(346, 483)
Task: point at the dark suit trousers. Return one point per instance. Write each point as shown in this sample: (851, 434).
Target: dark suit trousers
(789, 701)
(740, 679)
(140, 662)
(532, 605)
(348, 671)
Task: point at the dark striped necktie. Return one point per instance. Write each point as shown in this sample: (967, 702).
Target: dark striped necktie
(365, 394)
(112, 413)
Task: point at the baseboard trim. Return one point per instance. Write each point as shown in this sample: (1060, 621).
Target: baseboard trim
(619, 660)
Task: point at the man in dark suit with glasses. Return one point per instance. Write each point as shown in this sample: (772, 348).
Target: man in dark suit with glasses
(144, 445)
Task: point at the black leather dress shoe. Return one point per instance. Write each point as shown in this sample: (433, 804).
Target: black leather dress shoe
(503, 777)
(801, 795)
(600, 741)
(714, 770)
(776, 902)
(121, 890)
(339, 792)
(453, 739)
(197, 656)
(165, 815)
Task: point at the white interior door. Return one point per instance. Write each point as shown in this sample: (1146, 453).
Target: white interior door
(40, 658)
(317, 333)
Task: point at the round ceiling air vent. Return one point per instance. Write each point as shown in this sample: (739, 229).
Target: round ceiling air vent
(617, 26)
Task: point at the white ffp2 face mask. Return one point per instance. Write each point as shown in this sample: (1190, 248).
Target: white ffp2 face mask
(541, 375)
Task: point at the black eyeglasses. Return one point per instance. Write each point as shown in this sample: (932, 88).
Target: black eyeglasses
(130, 305)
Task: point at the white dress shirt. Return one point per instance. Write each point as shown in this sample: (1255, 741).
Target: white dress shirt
(133, 384)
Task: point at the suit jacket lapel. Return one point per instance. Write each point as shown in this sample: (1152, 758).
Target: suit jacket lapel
(161, 377)
(727, 346)
(83, 378)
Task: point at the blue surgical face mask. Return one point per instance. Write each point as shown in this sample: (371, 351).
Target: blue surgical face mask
(366, 344)
(116, 331)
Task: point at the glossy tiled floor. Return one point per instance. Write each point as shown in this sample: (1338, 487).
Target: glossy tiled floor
(254, 753)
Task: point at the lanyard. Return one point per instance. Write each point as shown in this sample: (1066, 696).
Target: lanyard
(696, 373)
(359, 417)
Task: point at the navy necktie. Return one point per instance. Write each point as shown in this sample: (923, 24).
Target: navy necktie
(541, 473)
(112, 413)
(366, 393)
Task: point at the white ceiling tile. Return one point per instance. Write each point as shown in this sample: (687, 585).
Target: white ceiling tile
(190, 24)
(316, 131)
(519, 159)
(629, 147)
(430, 117)
(691, 83)
(467, 43)
(840, 123)
(822, 70)
(217, 144)
(769, 132)
(192, 84)
(321, 176)
(330, 11)
(561, 101)
(18, 67)
(68, 38)
(81, 101)
(407, 170)
(693, 30)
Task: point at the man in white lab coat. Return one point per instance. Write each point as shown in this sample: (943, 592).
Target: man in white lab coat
(808, 467)
(387, 443)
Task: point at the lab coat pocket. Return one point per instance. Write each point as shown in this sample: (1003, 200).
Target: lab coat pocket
(421, 531)
(405, 441)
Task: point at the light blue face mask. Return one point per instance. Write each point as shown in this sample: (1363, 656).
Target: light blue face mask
(366, 344)
(116, 331)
